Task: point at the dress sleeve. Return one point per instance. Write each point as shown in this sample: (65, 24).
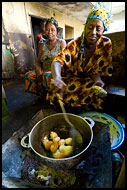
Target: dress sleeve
(65, 56)
(108, 67)
(101, 61)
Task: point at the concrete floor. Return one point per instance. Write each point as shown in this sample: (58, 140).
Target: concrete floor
(22, 106)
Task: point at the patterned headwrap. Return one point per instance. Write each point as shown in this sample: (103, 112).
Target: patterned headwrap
(101, 14)
(52, 21)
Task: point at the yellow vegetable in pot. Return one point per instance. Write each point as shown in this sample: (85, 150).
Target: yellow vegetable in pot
(68, 141)
(56, 139)
(47, 143)
(58, 154)
(67, 150)
(61, 141)
(53, 135)
(54, 147)
(60, 148)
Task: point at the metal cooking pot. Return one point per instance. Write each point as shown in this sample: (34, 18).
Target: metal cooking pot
(55, 123)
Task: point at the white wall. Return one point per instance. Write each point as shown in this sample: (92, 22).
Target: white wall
(117, 23)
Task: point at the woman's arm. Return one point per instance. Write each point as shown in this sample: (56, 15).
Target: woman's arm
(107, 71)
(56, 70)
(56, 73)
(58, 63)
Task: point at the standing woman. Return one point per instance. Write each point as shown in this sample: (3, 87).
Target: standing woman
(37, 81)
(78, 69)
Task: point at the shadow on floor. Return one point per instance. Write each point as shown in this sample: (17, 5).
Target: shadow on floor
(21, 107)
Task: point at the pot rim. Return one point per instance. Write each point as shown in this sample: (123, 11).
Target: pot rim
(60, 159)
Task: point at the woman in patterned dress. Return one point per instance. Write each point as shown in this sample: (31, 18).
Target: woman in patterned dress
(37, 81)
(78, 70)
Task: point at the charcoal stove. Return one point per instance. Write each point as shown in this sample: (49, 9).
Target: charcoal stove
(94, 171)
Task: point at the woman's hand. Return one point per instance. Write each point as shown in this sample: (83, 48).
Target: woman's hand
(59, 83)
(99, 81)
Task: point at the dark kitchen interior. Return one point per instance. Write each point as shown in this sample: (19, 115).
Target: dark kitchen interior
(24, 110)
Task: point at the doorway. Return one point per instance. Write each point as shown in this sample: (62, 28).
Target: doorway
(36, 29)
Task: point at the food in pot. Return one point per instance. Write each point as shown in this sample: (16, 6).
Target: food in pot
(53, 135)
(58, 154)
(68, 141)
(56, 139)
(61, 141)
(54, 147)
(60, 148)
(47, 143)
(65, 149)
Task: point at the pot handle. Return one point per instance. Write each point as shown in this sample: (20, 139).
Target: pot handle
(90, 121)
(23, 143)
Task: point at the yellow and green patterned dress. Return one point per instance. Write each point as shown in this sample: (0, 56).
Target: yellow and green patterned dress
(76, 73)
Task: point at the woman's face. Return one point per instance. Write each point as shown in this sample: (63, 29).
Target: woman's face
(94, 30)
(50, 31)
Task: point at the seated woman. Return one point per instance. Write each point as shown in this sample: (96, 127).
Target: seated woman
(37, 81)
(78, 69)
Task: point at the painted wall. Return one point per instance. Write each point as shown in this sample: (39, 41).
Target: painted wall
(7, 63)
(117, 23)
(17, 21)
(118, 58)
(69, 32)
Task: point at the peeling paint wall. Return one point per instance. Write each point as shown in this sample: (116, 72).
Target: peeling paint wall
(7, 63)
(17, 21)
(7, 58)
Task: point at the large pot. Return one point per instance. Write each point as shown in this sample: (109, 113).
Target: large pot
(54, 123)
